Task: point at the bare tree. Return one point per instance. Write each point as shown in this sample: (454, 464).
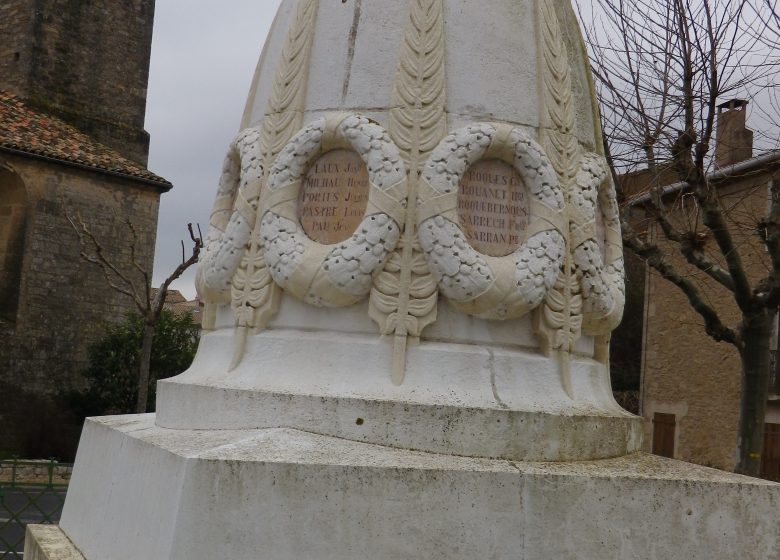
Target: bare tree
(662, 67)
(136, 284)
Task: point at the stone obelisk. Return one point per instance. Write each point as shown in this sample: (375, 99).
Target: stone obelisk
(413, 268)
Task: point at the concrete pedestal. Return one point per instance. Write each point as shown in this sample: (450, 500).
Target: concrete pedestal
(48, 542)
(141, 491)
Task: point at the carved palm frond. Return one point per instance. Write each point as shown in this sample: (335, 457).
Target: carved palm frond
(255, 297)
(404, 296)
(559, 320)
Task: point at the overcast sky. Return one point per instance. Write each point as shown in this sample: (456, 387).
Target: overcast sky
(204, 55)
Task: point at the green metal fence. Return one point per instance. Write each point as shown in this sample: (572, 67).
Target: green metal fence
(30, 492)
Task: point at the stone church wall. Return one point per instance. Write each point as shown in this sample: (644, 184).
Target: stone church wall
(63, 301)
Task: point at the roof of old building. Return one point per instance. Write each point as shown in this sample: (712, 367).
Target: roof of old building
(176, 303)
(26, 130)
(767, 162)
(173, 296)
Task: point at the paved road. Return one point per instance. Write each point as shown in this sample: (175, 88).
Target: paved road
(15, 507)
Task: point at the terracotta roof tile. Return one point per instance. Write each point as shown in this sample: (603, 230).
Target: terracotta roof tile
(173, 296)
(29, 131)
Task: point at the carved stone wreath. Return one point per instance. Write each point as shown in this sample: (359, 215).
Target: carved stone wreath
(601, 275)
(341, 274)
(478, 284)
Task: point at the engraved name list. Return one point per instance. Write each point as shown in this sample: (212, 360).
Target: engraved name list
(493, 208)
(333, 197)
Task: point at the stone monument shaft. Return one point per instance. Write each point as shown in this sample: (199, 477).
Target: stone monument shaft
(417, 214)
(411, 274)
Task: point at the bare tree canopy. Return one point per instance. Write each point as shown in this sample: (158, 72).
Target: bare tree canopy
(663, 70)
(663, 66)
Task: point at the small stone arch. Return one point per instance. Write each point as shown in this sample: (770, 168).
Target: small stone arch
(13, 226)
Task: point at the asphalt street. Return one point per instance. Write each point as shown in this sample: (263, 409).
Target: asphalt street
(16, 511)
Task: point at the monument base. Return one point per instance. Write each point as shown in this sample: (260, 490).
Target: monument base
(141, 491)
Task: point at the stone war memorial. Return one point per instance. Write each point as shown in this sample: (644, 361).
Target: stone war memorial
(412, 271)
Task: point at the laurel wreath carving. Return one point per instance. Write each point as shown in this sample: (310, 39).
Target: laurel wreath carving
(481, 285)
(404, 297)
(340, 274)
(212, 280)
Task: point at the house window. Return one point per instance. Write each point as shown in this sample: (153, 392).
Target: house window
(664, 427)
(774, 361)
(13, 218)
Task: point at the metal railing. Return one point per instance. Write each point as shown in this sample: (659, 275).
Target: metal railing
(31, 492)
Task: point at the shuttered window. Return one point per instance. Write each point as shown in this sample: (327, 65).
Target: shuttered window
(770, 461)
(664, 426)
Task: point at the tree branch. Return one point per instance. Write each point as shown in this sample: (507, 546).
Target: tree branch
(137, 265)
(655, 258)
(87, 237)
(715, 221)
(162, 291)
(691, 252)
(769, 231)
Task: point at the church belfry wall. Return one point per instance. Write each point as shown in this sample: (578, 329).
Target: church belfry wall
(16, 22)
(86, 62)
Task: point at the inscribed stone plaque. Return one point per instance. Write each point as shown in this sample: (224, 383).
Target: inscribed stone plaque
(334, 197)
(493, 207)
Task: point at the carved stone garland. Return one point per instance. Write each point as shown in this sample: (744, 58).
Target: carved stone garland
(602, 276)
(231, 220)
(232, 254)
(477, 284)
(341, 274)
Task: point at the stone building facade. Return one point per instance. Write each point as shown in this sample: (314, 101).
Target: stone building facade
(690, 386)
(73, 79)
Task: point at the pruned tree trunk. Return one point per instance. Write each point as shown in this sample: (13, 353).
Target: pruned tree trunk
(144, 366)
(756, 335)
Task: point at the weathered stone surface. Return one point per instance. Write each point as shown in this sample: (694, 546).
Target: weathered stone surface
(48, 542)
(501, 344)
(458, 399)
(278, 493)
(301, 431)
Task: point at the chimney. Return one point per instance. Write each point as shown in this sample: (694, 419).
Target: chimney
(735, 140)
